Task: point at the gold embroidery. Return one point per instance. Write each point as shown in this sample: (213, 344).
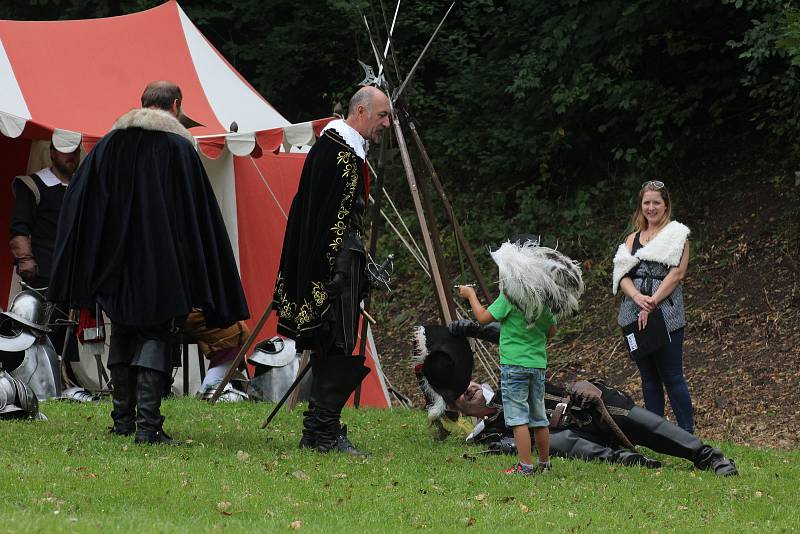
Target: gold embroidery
(309, 311)
(319, 293)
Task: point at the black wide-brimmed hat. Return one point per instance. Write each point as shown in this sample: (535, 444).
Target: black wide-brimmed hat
(447, 365)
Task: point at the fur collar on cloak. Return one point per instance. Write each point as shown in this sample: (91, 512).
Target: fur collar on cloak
(144, 236)
(666, 248)
(152, 119)
(318, 222)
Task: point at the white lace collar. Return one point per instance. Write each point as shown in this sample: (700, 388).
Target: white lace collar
(350, 136)
(49, 179)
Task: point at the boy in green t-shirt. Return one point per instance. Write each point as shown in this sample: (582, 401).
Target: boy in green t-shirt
(523, 360)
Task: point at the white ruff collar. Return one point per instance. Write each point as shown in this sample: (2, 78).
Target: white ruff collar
(350, 136)
(49, 178)
(666, 247)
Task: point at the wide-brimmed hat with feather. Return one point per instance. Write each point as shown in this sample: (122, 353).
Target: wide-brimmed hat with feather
(534, 278)
(447, 363)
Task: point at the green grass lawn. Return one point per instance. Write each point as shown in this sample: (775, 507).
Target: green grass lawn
(68, 474)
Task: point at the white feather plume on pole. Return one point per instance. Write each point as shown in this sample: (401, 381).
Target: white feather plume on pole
(534, 278)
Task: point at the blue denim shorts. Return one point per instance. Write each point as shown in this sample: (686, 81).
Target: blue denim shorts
(523, 396)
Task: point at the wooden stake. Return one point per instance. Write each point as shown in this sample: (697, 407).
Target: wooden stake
(426, 237)
(301, 371)
(450, 215)
(241, 355)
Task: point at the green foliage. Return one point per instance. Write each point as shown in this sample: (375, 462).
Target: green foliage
(542, 105)
(69, 475)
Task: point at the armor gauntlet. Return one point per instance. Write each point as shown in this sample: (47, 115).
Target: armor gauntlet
(467, 328)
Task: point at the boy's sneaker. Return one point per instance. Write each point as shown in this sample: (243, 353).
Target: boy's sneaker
(519, 469)
(544, 467)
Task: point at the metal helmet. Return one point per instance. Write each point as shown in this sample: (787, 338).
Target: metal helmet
(16, 398)
(273, 352)
(30, 309)
(14, 337)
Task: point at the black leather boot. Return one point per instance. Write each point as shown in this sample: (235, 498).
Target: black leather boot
(335, 378)
(711, 459)
(654, 432)
(123, 380)
(149, 421)
(568, 444)
(310, 428)
(123, 398)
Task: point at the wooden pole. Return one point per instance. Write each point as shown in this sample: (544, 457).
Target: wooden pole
(301, 371)
(241, 355)
(426, 237)
(437, 243)
(450, 215)
(375, 229)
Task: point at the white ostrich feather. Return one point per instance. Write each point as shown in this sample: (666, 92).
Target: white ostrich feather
(534, 278)
(437, 405)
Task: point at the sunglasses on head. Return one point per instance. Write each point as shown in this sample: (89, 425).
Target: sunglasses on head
(655, 184)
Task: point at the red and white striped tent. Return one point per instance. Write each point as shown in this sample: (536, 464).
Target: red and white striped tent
(68, 81)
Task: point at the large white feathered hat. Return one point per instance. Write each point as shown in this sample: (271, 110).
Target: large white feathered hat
(534, 278)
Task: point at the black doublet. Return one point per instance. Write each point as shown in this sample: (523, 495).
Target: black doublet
(324, 220)
(38, 221)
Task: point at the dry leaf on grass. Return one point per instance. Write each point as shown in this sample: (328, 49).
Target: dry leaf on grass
(295, 525)
(300, 475)
(242, 456)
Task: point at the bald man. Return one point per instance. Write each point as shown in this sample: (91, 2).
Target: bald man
(321, 276)
(141, 234)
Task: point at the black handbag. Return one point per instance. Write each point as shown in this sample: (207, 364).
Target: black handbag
(643, 342)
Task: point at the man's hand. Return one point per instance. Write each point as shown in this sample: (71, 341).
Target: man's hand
(23, 257)
(27, 269)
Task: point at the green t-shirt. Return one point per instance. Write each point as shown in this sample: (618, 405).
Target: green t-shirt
(519, 344)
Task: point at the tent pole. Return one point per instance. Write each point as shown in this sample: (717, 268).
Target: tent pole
(375, 229)
(426, 237)
(424, 189)
(450, 215)
(242, 352)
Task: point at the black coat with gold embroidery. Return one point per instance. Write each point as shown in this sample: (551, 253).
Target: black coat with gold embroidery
(319, 220)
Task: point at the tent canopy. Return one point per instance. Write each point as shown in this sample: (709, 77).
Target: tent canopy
(70, 80)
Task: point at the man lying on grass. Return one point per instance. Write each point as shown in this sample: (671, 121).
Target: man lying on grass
(577, 428)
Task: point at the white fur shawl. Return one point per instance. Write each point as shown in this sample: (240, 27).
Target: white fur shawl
(152, 119)
(666, 247)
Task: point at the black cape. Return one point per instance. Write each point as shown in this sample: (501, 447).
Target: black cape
(141, 232)
(318, 221)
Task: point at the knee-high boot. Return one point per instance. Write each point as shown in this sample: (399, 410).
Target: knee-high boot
(568, 444)
(309, 439)
(123, 398)
(648, 429)
(123, 381)
(151, 360)
(335, 378)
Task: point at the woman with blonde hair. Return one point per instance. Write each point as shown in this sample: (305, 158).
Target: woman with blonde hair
(649, 268)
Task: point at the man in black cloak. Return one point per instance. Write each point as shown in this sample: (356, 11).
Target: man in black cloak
(443, 369)
(141, 233)
(321, 279)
